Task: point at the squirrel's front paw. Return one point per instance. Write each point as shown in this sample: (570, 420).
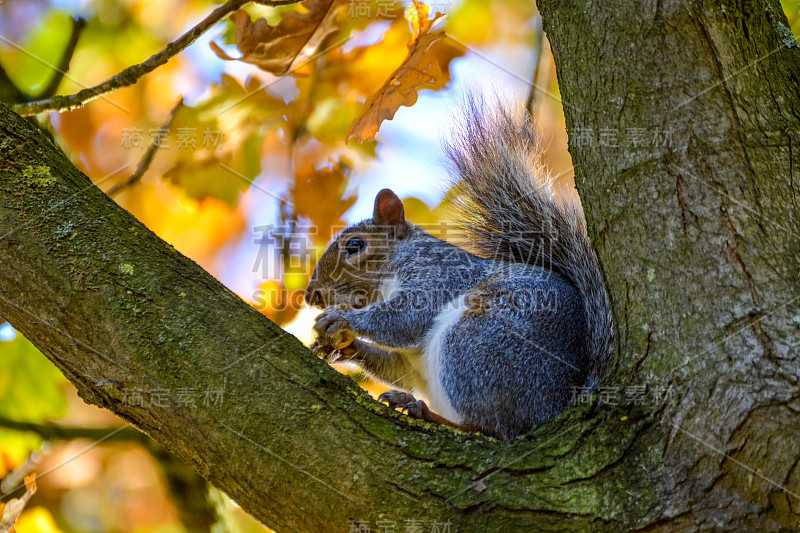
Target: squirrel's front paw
(331, 355)
(333, 330)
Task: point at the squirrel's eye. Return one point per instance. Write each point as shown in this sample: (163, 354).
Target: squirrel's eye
(353, 246)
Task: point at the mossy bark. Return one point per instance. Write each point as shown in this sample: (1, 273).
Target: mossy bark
(698, 239)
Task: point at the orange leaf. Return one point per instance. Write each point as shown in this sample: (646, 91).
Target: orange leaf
(292, 43)
(426, 66)
(319, 195)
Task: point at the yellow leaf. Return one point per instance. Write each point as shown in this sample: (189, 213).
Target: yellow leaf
(227, 133)
(417, 15)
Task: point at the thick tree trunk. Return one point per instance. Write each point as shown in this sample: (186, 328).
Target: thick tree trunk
(697, 229)
(698, 238)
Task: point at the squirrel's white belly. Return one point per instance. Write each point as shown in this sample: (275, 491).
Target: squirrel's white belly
(430, 361)
(425, 363)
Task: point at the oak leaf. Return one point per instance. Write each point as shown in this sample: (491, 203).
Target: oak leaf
(319, 195)
(426, 66)
(292, 43)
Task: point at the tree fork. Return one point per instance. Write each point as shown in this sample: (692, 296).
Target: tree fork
(132, 323)
(698, 239)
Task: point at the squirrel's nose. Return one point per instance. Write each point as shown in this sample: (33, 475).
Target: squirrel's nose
(313, 297)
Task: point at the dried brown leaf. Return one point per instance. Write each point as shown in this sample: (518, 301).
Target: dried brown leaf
(427, 66)
(287, 46)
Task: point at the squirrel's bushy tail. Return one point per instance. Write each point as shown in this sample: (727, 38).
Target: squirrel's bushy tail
(510, 212)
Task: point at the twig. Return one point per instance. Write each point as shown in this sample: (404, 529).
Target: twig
(132, 74)
(16, 477)
(53, 432)
(78, 24)
(147, 158)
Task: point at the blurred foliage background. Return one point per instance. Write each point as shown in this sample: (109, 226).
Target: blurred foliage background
(245, 167)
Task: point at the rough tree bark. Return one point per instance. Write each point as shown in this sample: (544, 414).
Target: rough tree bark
(698, 234)
(698, 237)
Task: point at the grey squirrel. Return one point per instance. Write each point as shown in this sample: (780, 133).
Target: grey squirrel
(495, 340)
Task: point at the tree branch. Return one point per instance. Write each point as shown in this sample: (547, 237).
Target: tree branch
(54, 432)
(132, 74)
(147, 158)
(145, 332)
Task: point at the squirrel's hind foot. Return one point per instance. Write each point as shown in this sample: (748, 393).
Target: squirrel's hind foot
(406, 402)
(414, 408)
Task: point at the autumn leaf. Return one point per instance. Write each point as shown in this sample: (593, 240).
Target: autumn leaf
(426, 66)
(289, 45)
(319, 196)
(417, 15)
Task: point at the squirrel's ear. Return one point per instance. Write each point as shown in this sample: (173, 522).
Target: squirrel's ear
(389, 212)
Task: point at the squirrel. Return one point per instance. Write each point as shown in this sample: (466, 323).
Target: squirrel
(497, 338)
